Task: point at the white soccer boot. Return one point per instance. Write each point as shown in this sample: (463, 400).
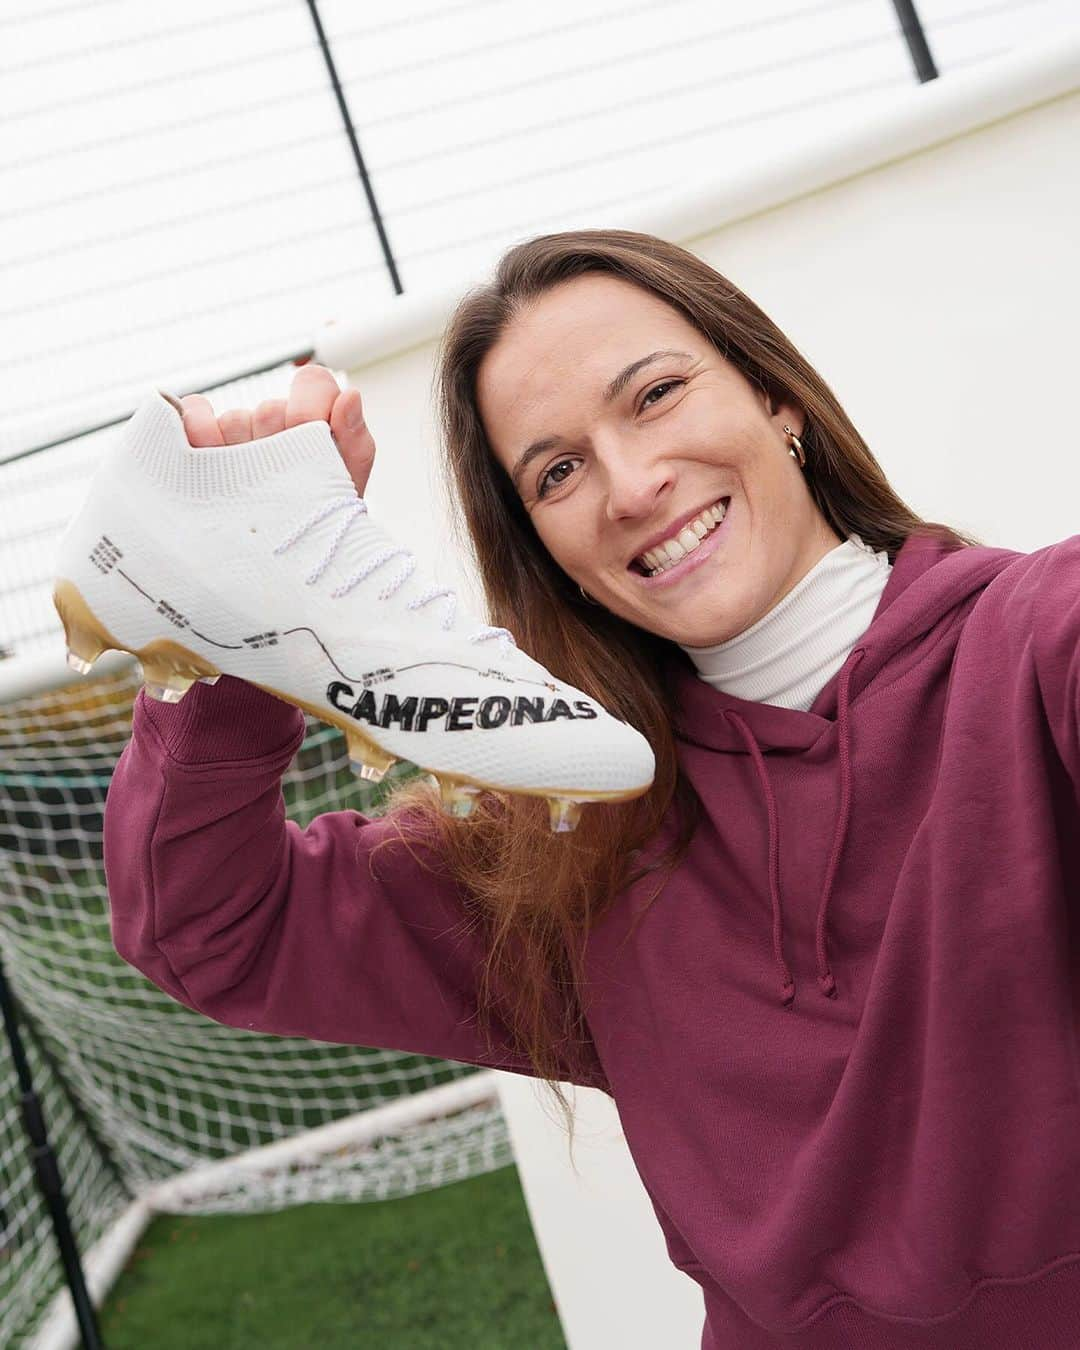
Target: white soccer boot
(260, 561)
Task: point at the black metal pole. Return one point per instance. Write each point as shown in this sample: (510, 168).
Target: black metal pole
(48, 1175)
(339, 94)
(916, 40)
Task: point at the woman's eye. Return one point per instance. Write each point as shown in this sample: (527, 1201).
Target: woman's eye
(667, 384)
(547, 478)
(542, 489)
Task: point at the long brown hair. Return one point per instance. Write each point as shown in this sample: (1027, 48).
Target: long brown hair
(532, 894)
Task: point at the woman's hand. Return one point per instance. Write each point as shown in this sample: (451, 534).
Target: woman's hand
(314, 397)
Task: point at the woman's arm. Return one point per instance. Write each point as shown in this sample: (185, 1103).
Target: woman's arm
(242, 915)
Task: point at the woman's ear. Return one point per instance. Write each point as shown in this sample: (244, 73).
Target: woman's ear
(781, 410)
(785, 412)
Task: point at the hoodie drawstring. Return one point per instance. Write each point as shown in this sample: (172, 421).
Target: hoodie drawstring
(825, 977)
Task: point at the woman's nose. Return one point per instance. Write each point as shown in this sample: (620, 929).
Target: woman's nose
(635, 489)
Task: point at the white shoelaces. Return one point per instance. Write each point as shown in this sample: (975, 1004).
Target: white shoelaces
(354, 507)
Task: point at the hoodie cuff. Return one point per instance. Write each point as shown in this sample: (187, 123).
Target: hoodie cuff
(231, 720)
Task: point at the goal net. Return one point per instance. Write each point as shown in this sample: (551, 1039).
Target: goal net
(139, 1090)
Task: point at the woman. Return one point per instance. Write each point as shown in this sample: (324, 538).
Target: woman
(826, 967)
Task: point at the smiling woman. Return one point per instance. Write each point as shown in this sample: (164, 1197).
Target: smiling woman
(836, 1023)
(607, 392)
(606, 389)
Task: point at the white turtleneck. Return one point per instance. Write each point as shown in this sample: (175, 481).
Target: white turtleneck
(791, 653)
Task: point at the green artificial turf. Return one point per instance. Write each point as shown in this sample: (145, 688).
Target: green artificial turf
(453, 1267)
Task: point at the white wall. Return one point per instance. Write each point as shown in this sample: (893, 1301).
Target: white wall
(927, 266)
(179, 201)
(602, 1248)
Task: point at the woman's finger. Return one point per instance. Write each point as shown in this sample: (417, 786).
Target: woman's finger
(200, 423)
(355, 443)
(311, 396)
(269, 417)
(236, 426)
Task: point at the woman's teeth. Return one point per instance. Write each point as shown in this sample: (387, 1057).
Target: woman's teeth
(667, 554)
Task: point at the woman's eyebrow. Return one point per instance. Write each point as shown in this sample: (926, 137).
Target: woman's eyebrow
(614, 389)
(619, 383)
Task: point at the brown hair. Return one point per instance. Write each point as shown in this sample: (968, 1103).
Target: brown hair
(532, 894)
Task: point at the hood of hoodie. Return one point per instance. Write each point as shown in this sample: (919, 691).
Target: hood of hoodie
(931, 579)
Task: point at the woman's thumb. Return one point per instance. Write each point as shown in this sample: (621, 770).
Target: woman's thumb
(355, 443)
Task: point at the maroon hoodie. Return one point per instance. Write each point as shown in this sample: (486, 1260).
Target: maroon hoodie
(844, 1040)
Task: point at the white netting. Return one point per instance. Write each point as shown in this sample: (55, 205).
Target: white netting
(136, 1088)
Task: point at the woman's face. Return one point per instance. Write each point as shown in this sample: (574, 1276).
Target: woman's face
(629, 456)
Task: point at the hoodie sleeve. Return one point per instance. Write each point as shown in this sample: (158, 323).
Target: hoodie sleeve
(1054, 584)
(238, 913)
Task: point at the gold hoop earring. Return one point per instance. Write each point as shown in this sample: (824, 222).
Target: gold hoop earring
(797, 451)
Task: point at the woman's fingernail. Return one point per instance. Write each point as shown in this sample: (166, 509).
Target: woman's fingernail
(354, 414)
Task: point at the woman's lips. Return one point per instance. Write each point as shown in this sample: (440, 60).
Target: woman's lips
(693, 559)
